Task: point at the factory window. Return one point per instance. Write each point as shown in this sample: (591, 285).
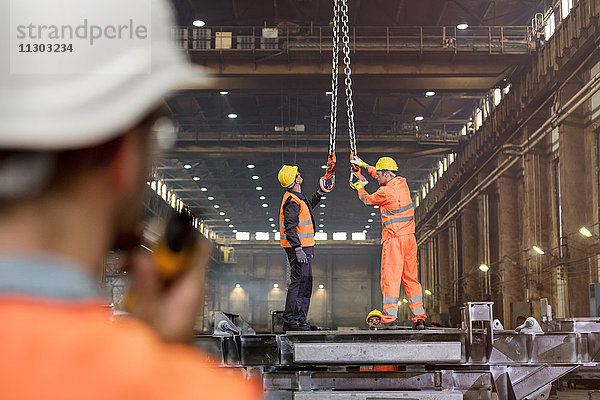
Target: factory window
(417, 201)
(550, 26)
(478, 118)
(339, 235)
(497, 96)
(277, 236)
(321, 236)
(242, 236)
(261, 235)
(359, 236)
(565, 9)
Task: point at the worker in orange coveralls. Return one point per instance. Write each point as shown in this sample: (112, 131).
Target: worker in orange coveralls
(399, 262)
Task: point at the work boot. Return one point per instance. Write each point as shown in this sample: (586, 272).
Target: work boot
(419, 325)
(296, 326)
(386, 325)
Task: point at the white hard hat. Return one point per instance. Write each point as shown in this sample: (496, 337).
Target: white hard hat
(69, 100)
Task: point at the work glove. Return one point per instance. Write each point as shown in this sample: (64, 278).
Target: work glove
(301, 255)
(359, 162)
(360, 180)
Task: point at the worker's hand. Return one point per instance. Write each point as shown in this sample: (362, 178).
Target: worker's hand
(359, 177)
(301, 255)
(359, 162)
(357, 185)
(171, 311)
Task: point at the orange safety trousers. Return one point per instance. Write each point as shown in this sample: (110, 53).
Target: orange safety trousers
(399, 264)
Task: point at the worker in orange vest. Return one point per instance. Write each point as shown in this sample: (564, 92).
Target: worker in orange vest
(399, 262)
(297, 237)
(78, 134)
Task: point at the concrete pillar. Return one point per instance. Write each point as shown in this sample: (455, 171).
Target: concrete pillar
(470, 259)
(442, 291)
(576, 184)
(508, 284)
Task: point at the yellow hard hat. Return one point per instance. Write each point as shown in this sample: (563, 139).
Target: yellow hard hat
(287, 175)
(386, 163)
(374, 313)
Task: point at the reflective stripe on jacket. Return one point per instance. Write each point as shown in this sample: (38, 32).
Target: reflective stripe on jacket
(395, 205)
(305, 229)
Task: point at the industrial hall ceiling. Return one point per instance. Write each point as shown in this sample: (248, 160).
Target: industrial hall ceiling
(416, 81)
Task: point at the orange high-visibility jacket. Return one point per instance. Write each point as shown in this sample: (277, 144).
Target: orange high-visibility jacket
(60, 350)
(305, 228)
(395, 205)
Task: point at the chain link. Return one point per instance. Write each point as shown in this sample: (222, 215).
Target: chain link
(334, 76)
(348, 73)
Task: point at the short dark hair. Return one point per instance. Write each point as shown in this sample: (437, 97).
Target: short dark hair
(69, 165)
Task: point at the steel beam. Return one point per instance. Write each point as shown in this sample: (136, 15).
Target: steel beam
(369, 352)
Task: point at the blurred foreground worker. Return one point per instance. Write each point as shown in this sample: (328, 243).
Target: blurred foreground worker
(399, 262)
(75, 152)
(297, 237)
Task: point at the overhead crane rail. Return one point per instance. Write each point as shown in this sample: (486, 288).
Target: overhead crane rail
(293, 38)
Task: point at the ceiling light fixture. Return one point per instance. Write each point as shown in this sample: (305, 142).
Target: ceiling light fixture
(585, 232)
(231, 226)
(322, 206)
(323, 166)
(223, 92)
(484, 268)
(538, 249)
(276, 285)
(210, 198)
(222, 213)
(262, 197)
(217, 206)
(259, 188)
(265, 205)
(232, 116)
(429, 93)
(187, 166)
(198, 23)
(196, 178)
(251, 166)
(203, 189)
(419, 118)
(462, 24)
(367, 226)
(227, 220)
(255, 177)
(369, 220)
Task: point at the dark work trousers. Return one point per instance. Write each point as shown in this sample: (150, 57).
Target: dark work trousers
(299, 291)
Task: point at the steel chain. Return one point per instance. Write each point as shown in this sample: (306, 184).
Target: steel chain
(348, 81)
(334, 76)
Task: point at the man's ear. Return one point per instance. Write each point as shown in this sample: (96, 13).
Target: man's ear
(125, 164)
